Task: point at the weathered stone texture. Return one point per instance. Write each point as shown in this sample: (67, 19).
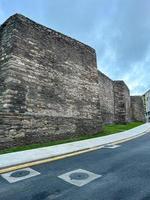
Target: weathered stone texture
(21, 129)
(50, 87)
(106, 95)
(122, 102)
(50, 79)
(137, 108)
(5, 55)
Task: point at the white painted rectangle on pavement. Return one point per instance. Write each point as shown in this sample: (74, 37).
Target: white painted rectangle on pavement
(79, 177)
(19, 175)
(111, 146)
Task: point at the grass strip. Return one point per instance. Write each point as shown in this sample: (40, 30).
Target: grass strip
(107, 130)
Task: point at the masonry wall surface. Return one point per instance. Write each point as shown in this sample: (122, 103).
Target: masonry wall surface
(50, 87)
(121, 102)
(137, 108)
(146, 102)
(106, 92)
(49, 84)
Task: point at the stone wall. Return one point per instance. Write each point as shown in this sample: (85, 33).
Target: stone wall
(137, 108)
(121, 102)
(50, 87)
(106, 98)
(51, 84)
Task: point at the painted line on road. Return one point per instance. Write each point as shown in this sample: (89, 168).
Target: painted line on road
(130, 138)
(111, 146)
(30, 164)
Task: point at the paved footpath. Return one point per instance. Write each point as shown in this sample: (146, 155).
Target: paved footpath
(12, 159)
(114, 172)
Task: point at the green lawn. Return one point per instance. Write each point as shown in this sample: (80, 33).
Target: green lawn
(107, 130)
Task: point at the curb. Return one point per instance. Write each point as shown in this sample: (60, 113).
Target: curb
(62, 156)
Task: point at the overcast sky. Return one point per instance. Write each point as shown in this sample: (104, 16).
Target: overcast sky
(119, 30)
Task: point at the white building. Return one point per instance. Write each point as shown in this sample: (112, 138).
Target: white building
(146, 99)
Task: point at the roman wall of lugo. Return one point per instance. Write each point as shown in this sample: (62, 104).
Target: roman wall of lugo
(50, 87)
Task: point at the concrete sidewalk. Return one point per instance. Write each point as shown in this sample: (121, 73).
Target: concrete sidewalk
(12, 159)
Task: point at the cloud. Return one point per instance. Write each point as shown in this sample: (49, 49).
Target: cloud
(126, 44)
(78, 17)
(118, 30)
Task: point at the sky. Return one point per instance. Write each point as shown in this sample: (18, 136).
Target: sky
(119, 31)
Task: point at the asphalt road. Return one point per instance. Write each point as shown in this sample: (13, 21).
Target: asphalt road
(125, 175)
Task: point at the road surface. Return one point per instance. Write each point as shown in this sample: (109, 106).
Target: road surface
(111, 173)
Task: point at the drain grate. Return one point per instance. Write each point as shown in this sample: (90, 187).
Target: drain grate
(19, 174)
(79, 176)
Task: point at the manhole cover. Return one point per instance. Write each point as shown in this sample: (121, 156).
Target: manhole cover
(79, 176)
(20, 173)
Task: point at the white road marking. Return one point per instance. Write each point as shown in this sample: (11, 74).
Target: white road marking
(111, 146)
(79, 182)
(12, 178)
